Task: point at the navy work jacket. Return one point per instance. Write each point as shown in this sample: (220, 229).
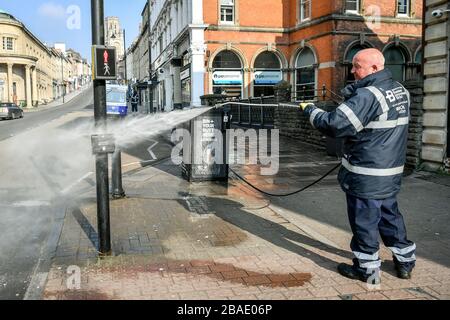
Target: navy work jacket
(373, 121)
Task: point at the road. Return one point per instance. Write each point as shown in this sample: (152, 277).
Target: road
(28, 211)
(46, 166)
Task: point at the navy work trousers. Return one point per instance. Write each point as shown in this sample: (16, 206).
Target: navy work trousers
(371, 218)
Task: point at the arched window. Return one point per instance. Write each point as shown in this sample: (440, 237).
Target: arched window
(227, 60)
(305, 75)
(349, 61)
(395, 61)
(267, 73)
(227, 74)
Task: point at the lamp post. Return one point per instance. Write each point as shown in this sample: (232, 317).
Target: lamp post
(101, 160)
(125, 57)
(150, 71)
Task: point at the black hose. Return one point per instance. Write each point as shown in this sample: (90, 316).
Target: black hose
(288, 194)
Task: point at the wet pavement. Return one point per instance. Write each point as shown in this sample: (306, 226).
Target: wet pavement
(178, 241)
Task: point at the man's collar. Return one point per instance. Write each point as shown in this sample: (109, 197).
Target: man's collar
(372, 79)
(368, 81)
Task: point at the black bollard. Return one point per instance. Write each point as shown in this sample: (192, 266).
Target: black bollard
(117, 190)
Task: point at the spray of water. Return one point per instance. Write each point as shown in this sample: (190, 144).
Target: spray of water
(50, 162)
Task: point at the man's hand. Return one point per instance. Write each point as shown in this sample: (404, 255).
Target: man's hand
(305, 104)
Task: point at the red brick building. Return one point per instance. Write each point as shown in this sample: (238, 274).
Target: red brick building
(251, 45)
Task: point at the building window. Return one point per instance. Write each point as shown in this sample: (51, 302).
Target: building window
(395, 61)
(403, 7)
(8, 43)
(227, 11)
(305, 10)
(305, 75)
(352, 6)
(228, 75)
(267, 74)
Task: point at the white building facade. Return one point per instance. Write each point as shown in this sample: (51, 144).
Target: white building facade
(178, 52)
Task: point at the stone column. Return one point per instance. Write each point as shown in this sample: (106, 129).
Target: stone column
(189, 12)
(197, 51)
(28, 86)
(10, 82)
(34, 80)
(177, 99)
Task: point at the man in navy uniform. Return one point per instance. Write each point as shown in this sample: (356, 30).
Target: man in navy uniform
(373, 120)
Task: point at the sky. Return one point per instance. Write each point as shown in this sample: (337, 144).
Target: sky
(69, 21)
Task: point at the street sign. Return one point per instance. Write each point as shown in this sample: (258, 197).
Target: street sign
(104, 63)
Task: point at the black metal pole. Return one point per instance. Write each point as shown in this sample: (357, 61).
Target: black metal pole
(101, 161)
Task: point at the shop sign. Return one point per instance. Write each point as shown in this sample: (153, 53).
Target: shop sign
(227, 78)
(185, 74)
(268, 77)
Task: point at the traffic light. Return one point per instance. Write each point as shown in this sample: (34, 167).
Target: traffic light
(104, 63)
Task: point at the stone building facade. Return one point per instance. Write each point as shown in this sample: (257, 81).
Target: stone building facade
(114, 36)
(436, 137)
(25, 64)
(31, 73)
(243, 47)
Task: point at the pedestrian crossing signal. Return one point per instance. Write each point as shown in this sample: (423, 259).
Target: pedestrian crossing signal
(104, 63)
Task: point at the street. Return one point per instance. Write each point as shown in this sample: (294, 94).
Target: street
(29, 206)
(47, 167)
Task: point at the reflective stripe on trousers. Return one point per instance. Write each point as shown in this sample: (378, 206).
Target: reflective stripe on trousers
(371, 218)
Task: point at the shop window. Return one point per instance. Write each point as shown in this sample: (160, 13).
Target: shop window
(227, 11)
(305, 75)
(227, 74)
(267, 74)
(226, 60)
(395, 61)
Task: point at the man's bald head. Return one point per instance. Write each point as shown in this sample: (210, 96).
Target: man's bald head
(367, 62)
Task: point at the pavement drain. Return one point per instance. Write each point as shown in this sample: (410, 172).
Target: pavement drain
(198, 206)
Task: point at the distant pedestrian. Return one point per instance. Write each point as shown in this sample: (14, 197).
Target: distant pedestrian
(134, 101)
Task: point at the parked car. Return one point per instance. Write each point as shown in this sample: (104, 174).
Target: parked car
(10, 111)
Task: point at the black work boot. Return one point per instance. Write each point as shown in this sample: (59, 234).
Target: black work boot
(354, 273)
(402, 271)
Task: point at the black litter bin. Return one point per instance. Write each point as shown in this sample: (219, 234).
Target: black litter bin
(205, 153)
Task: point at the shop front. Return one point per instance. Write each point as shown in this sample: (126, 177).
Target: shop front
(185, 77)
(228, 76)
(267, 74)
